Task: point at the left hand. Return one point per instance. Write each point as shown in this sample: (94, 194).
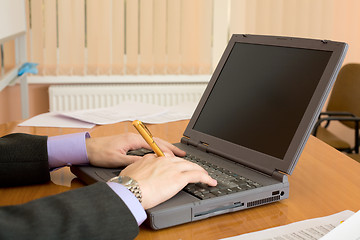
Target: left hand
(111, 151)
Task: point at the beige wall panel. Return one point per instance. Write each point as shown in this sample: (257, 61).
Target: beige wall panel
(1, 65)
(118, 36)
(289, 19)
(356, 31)
(189, 37)
(104, 37)
(264, 9)
(50, 44)
(92, 36)
(345, 26)
(159, 36)
(4, 109)
(173, 36)
(352, 29)
(132, 36)
(316, 12)
(65, 37)
(275, 18)
(71, 37)
(10, 102)
(28, 38)
(237, 17)
(37, 34)
(9, 55)
(251, 16)
(328, 19)
(5, 106)
(301, 12)
(99, 24)
(220, 33)
(78, 37)
(146, 36)
(205, 37)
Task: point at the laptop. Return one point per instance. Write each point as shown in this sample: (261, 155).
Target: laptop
(250, 126)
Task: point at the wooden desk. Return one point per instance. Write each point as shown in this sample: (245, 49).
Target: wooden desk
(324, 182)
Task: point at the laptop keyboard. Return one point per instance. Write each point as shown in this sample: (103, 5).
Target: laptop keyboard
(228, 182)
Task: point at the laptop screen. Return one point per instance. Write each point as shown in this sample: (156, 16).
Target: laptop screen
(261, 95)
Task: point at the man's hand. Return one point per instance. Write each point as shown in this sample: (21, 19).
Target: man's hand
(111, 151)
(163, 177)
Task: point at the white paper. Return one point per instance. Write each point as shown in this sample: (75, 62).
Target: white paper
(127, 111)
(53, 119)
(306, 230)
(349, 230)
(130, 111)
(176, 113)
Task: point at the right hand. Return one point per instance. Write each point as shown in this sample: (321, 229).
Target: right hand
(160, 178)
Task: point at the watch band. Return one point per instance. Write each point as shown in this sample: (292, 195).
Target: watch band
(130, 184)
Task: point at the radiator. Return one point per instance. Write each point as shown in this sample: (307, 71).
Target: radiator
(81, 97)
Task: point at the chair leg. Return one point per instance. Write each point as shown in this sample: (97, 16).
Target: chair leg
(356, 137)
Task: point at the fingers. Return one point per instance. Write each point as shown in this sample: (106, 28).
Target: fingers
(165, 146)
(193, 173)
(174, 163)
(199, 176)
(169, 148)
(128, 159)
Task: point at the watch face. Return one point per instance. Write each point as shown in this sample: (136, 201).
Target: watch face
(125, 180)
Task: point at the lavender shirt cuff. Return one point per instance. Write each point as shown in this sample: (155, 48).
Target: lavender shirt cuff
(67, 150)
(130, 200)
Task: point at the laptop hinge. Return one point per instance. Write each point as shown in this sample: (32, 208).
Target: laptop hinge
(184, 140)
(198, 144)
(277, 175)
(188, 141)
(203, 146)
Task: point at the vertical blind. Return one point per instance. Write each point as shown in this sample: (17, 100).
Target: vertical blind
(101, 37)
(337, 20)
(97, 37)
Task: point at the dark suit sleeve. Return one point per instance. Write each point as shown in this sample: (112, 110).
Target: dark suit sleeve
(92, 212)
(23, 160)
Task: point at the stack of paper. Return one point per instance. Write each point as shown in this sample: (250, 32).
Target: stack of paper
(342, 225)
(127, 111)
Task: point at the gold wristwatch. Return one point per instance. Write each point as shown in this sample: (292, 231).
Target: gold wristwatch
(130, 184)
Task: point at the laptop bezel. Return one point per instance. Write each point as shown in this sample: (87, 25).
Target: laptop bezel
(254, 159)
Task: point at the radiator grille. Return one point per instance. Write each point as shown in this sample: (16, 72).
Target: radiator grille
(81, 97)
(263, 201)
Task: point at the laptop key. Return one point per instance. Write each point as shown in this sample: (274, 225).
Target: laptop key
(199, 194)
(228, 182)
(208, 195)
(219, 193)
(237, 189)
(228, 191)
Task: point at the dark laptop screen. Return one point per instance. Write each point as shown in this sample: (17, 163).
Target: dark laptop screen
(261, 95)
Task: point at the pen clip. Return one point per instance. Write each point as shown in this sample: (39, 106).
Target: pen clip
(146, 129)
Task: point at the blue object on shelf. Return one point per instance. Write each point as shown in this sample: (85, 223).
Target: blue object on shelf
(28, 68)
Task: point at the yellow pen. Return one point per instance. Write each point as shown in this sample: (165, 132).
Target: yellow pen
(145, 133)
